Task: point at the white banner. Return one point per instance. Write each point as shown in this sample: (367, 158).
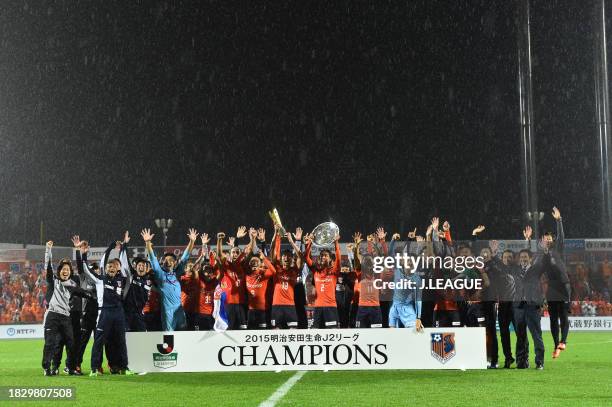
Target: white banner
(330, 349)
(598, 244)
(583, 323)
(34, 331)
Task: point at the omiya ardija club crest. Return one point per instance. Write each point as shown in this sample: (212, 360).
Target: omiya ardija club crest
(443, 346)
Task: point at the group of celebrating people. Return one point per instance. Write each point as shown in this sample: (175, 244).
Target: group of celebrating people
(261, 286)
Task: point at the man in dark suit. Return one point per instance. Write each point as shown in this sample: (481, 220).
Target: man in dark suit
(527, 310)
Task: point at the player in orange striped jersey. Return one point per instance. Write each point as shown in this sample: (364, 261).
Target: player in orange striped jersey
(259, 273)
(325, 276)
(368, 314)
(288, 269)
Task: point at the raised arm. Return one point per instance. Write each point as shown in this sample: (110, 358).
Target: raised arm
(394, 238)
(356, 254)
(251, 247)
(438, 247)
(48, 262)
(219, 257)
(527, 232)
(307, 258)
(477, 230)
(560, 234)
(76, 241)
(180, 266)
(270, 269)
(204, 250)
(81, 253)
(105, 257)
(276, 247)
(147, 236)
(300, 258)
(338, 260)
(381, 235)
(261, 238)
(126, 267)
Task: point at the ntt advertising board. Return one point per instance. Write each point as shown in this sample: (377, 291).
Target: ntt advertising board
(329, 349)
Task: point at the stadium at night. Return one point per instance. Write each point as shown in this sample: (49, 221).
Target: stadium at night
(304, 203)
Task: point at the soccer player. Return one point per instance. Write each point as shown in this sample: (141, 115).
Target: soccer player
(57, 323)
(385, 294)
(112, 286)
(288, 269)
(558, 294)
(209, 279)
(190, 294)
(368, 313)
(198, 285)
(407, 305)
(152, 308)
(259, 273)
(137, 295)
(446, 309)
(233, 280)
(167, 277)
(325, 275)
(345, 287)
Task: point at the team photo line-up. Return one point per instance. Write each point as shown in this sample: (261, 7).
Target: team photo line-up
(261, 286)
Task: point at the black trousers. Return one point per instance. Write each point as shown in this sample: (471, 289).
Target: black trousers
(75, 321)
(528, 316)
(135, 321)
(236, 317)
(110, 329)
(489, 309)
(58, 331)
(88, 326)
(505, 316)
(299, 298)
(153, 321)
(558, 312)
(343, 302)
(427, 314)
(447, 319)
(325, 317)
(385, 307)
(204, 322)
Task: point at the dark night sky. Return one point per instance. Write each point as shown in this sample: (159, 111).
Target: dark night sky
(114, 113)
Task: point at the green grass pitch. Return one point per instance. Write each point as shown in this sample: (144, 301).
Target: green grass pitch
(582, 376)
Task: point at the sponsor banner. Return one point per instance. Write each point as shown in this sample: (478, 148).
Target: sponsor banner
(22, 331)
(598, 244)
(583, 323)
(96, 253)
(12, 255)
(313, 349)
(574, 244)
(514, 245)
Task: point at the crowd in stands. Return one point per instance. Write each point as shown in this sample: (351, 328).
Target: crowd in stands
(22, 292)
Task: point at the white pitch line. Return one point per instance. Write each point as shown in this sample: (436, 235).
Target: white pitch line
(282, 390)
